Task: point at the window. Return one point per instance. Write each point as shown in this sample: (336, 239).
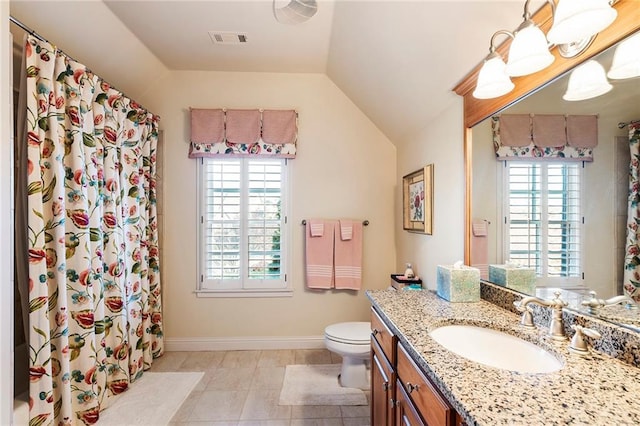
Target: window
(243, 238)
(543, 220)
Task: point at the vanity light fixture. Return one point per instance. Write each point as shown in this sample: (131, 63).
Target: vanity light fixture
(295, 12)
(626, 59)
(575, 24)
(529, 51)
(587, 81)
(493, 80)
(575, 20)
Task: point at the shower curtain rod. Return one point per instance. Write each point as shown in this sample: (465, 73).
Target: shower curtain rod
(39, 37)
(623, 124)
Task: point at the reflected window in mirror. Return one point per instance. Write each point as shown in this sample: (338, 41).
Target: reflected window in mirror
(542, 219)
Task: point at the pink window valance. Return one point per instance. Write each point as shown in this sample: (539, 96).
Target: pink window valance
(243, 132)
(549, 137)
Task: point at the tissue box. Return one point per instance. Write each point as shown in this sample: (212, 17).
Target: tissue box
(458, 284)
(515, 278)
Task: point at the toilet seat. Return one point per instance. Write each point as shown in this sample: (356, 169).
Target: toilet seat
(351, 333)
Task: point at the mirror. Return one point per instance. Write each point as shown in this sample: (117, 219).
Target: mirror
(605, 180)
(608, 171)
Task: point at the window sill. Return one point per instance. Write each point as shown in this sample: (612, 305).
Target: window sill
(243, 293)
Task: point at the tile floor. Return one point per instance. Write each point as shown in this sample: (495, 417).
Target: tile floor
(243, 387)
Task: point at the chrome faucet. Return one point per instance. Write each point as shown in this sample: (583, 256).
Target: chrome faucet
(556, 327)
(594, 303)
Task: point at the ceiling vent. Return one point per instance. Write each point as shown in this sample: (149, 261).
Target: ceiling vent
(220, 37)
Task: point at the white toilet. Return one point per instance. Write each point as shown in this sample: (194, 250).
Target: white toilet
(352, 341)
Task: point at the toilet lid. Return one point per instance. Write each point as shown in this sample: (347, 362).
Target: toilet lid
(355, 333)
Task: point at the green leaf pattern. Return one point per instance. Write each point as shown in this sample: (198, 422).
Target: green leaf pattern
(94, 278)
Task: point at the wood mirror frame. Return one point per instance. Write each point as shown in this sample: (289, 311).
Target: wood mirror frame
(476, 110)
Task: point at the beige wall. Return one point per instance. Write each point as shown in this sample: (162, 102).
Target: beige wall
(345, 168)
(440, 143)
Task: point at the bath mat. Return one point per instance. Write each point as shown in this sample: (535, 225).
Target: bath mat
(152, 400)
(317, 385)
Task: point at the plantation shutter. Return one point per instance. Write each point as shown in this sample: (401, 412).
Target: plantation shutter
(223, 220)
(264, 221)
(543, 218)
(243, 224)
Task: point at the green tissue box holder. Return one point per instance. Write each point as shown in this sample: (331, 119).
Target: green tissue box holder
(458, 284)
(516, 278)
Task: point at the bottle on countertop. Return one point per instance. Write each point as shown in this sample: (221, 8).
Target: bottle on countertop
(408, 272)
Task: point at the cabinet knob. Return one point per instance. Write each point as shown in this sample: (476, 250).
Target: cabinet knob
(411, 387)
(375, 332)
(385, 386)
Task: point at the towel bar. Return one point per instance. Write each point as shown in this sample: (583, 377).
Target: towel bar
(364, 222)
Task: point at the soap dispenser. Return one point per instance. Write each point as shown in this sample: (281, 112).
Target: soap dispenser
(408, 272)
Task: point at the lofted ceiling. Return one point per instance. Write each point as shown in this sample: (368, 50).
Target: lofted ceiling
(397, 60)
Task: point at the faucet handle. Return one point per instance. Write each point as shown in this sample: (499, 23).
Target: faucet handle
(527, 314)
(557, 301)
(594, 303)
(578, 344)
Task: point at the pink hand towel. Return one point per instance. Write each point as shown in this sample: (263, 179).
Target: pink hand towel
(317, 227)
(348, 258)
(319, 257)
(480, 247)
(346, 230)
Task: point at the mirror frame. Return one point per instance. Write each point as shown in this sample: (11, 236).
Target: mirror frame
(476, 110)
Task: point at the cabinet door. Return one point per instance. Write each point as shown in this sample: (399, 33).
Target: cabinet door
(384, 336)
(382, 387)
(433, 407)
(406, 413)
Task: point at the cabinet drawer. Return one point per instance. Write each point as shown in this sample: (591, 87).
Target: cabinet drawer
(406, 414)
(435, 410)
(383, 336)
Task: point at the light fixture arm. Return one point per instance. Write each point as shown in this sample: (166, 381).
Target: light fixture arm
(492, 46)
(527, 15)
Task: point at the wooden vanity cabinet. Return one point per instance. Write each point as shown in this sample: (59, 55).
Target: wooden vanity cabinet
(383, 375)
(400, 393)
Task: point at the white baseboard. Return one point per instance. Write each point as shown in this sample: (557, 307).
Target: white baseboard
(242, 343)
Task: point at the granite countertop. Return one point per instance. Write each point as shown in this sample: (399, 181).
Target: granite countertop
(591, 390)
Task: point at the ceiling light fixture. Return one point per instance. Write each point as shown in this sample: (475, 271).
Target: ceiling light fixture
(295, 12)
(575, 22)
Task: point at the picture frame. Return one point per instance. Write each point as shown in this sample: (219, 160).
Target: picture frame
(417, 201)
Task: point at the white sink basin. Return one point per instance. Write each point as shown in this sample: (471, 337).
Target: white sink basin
(495, 349)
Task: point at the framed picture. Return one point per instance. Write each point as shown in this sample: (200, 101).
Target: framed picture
(417, 201)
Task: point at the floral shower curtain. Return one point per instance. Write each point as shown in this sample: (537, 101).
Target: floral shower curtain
(631, 282)
(94, 282)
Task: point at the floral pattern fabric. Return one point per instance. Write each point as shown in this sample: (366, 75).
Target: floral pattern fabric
(531, 151)
(94, 281)
(242, 149)
(631, 280)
